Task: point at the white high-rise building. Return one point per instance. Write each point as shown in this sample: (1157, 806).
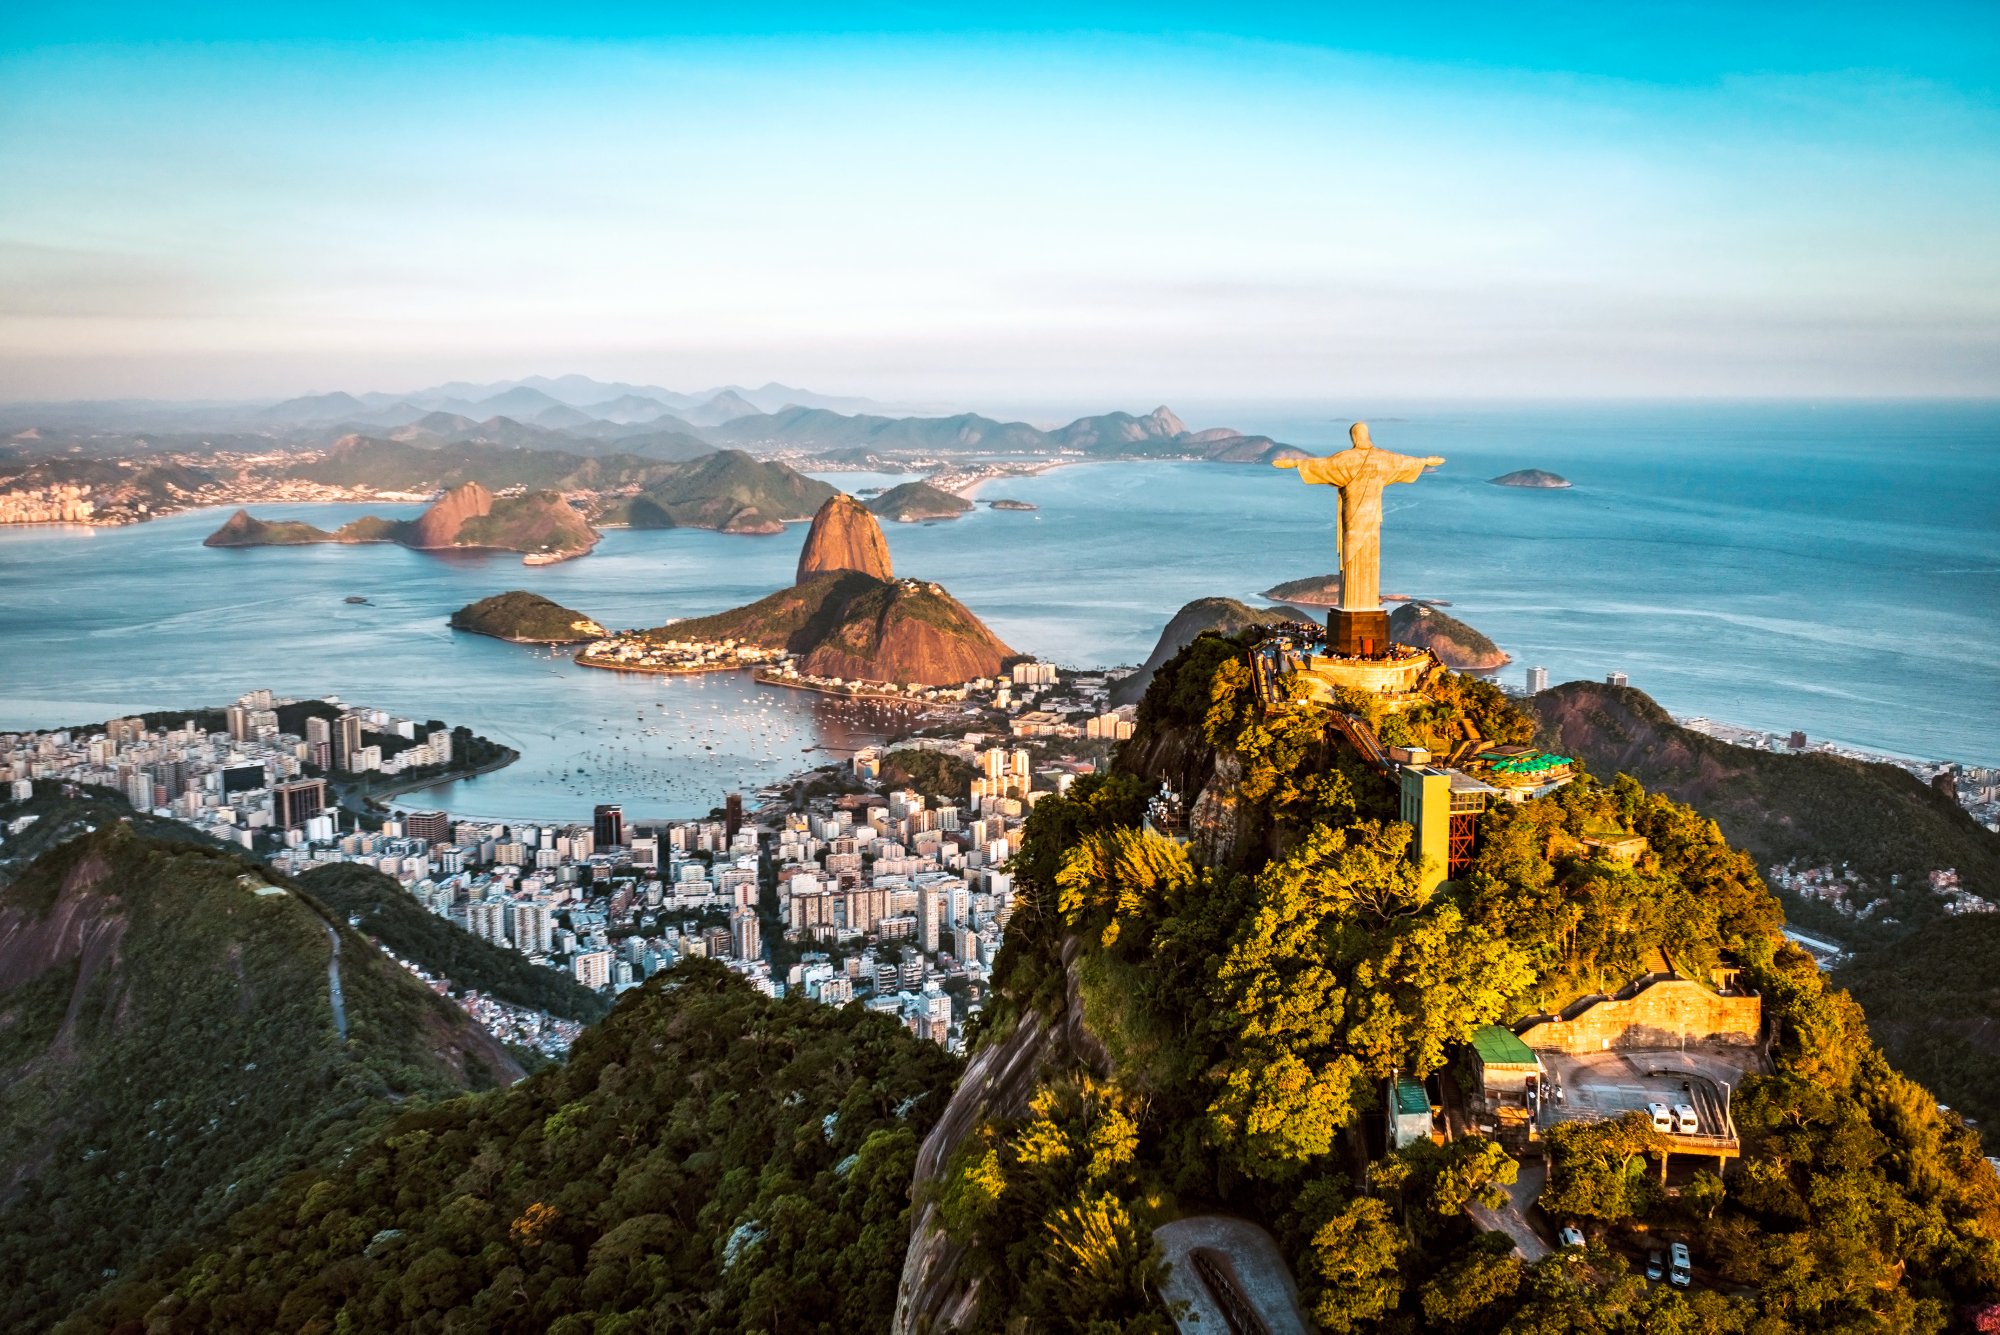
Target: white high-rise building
(593, 968)
(1538, 680)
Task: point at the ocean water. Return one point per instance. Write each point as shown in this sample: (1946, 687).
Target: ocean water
(1833, 570)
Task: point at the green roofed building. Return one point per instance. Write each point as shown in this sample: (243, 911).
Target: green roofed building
(1409, 1111)
(1522, 772)
(1504, 1070)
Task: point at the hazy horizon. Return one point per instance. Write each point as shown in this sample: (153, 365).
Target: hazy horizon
(1018, 207)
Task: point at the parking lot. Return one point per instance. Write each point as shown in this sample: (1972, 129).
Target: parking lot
(1598, 1086)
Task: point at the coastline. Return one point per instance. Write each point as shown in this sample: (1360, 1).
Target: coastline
(380, 797)
(842, 693)
(519, 639)
(673, 670)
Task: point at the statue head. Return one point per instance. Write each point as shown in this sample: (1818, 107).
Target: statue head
(1358, 433)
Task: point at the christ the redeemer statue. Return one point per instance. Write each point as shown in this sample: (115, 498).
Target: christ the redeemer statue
(1359, 626)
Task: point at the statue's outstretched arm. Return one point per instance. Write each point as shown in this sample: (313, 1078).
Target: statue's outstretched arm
(1284, 463)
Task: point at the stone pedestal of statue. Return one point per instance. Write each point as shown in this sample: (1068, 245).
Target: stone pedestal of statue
(1357, 634)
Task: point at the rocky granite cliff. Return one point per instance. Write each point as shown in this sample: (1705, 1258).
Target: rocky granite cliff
(849, 617)
(844, 623)
(438, 526)
(1458, 645)
(844, 536)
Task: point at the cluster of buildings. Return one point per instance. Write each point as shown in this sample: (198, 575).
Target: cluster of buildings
(47, 505)
(1847, 892)
(890, 899)
(246, 779)
(642, 653)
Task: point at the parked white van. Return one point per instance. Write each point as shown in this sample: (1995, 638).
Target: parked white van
(1686, 1121)
(1662, 1119)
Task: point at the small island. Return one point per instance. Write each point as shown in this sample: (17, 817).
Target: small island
(916, 501)
(1532, 477)
(526, 618)
(1011, 505)
(1312, 591)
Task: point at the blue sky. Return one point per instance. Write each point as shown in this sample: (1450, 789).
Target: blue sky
(1006, 206)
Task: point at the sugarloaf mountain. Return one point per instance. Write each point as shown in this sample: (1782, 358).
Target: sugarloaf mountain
(849, 616)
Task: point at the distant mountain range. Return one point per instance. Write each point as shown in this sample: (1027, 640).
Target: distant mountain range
(581, 416)
(568, 400)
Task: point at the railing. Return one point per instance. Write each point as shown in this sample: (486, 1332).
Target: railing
(1237, 1313)
(1364, 740)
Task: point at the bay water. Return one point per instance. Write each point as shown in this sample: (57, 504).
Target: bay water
(1834, 570)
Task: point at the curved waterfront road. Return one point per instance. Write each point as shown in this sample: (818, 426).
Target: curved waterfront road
(333, 983)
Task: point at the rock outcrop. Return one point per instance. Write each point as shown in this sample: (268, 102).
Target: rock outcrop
(845, 536)
(848, 624)
(1312, 591)
(526, 618)
(1225, 616)
(438, 526)
(1456, 644)
(848, 617)
(1531, 477)
(915, 501)
(244, 529)
(906, 631)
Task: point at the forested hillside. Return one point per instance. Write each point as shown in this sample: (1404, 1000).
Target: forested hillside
(1237, 1003)
(706, 1160)
(169, 1050)
(1930, 980)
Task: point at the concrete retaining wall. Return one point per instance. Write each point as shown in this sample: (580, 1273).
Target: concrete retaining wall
(1659, 1015)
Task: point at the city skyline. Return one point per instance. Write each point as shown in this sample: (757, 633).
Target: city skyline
(993, 208)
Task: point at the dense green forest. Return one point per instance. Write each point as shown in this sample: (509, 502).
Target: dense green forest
(706, 1160)
(1249, 1007)
(1815, 809)
(936, 775)
(379, 907)
(1928, 980)
(168, 1050)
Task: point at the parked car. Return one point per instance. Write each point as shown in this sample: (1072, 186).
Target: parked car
(1656, 1265)
(1683, 1265)
(1662, 1119)
(1686, 1121)
(1571, 1236)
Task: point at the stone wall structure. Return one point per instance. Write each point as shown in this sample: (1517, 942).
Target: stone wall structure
(1652, 1013)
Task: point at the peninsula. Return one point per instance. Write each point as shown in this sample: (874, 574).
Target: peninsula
(1457, 645)
(540, 524)
(525, 618)
(849, 618)
(1533, 478)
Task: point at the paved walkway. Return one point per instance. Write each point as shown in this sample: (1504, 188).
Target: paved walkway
(1512, 1218)
(333, 984)
(1254, 1262)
